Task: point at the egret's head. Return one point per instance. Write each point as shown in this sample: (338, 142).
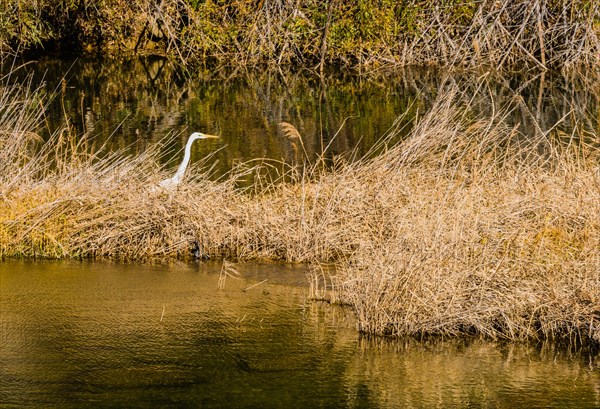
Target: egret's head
(199, 135)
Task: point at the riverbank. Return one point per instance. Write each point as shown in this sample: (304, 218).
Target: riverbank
(362, 36)
(466, 227)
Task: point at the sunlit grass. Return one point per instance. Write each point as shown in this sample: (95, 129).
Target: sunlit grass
(465, 227)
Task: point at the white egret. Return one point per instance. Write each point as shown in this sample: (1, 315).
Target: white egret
(176, 179)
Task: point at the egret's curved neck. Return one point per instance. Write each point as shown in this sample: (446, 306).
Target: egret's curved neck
(186, 159)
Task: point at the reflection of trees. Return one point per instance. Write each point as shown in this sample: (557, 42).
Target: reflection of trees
(458, 373)
(119, 100)
(542, 102)
(140, 102)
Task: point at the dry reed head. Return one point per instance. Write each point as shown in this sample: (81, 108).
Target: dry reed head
(290, 132)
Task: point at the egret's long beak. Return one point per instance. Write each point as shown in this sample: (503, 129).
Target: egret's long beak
(210, 136)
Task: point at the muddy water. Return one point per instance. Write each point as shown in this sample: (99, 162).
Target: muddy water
(91, 334)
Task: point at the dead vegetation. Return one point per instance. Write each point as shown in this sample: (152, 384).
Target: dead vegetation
(310, 34)
(466, 227)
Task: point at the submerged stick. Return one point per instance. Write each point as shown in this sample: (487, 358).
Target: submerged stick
(255, 285)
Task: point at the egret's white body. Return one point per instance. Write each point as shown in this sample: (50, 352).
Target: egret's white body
(176, 179)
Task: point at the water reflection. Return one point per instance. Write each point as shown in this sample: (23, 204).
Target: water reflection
(134, 103)
(104, 334)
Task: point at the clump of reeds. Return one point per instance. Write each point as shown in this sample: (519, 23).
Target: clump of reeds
(311, 33)
(468, 226)
(481, 230)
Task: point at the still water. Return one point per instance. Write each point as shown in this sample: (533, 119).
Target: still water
(130, 105)
(96, 334)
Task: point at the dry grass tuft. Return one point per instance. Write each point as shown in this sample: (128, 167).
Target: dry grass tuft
(466, 227)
